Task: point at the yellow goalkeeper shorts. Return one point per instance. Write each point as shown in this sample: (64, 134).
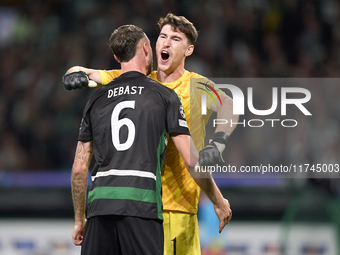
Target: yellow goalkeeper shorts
(181, 235)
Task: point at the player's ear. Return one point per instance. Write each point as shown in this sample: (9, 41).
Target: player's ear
(189, 50)
(116, 58)
(145, 49)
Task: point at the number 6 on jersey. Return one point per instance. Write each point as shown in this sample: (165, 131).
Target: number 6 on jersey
(117, 123)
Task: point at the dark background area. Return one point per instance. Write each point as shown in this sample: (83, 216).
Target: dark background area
(39, 119)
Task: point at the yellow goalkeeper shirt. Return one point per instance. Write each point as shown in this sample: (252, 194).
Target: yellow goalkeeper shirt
(180, 191)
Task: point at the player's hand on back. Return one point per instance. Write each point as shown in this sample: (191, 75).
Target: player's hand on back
(75, 80)
(211, 154)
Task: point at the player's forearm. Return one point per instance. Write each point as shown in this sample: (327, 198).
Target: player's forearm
(209, 187)
(79, 187)
(225, 112)
(187, 149)
(79, 178)
(91, 73)
(221, 205)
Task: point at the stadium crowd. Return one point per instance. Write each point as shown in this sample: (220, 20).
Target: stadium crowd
(40, 40)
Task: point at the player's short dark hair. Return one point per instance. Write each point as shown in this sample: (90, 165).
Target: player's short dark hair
(180, 23)
(123, 41)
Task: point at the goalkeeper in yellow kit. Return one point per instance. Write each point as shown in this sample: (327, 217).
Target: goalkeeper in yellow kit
(180, 192)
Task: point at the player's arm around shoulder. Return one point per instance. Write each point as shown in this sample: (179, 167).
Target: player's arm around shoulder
(93, 74)
(78, 77)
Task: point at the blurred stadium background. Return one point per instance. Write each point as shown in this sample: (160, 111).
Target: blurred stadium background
(39, 119)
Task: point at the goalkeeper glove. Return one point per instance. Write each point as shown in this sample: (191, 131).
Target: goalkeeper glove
(212, 153)
(75, 80)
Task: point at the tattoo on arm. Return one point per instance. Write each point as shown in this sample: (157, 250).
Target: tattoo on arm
(79, 177)
(84, 151)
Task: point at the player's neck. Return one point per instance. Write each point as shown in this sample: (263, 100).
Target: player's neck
(166, 77)
(135, 64)
(128, 67)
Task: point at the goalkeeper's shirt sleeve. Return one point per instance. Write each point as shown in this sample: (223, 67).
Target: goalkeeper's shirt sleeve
(107, 76)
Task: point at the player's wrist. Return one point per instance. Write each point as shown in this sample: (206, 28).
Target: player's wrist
(220, 137)
(220, 140)
(80, 221)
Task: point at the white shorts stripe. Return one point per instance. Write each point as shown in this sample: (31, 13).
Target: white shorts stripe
(118, 172)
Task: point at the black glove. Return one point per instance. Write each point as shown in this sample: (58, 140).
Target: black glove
(212, 153)
(75, 80)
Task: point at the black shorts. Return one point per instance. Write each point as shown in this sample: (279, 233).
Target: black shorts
(122, 235)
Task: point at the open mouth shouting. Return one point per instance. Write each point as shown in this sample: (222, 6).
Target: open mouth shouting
(165, 55)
